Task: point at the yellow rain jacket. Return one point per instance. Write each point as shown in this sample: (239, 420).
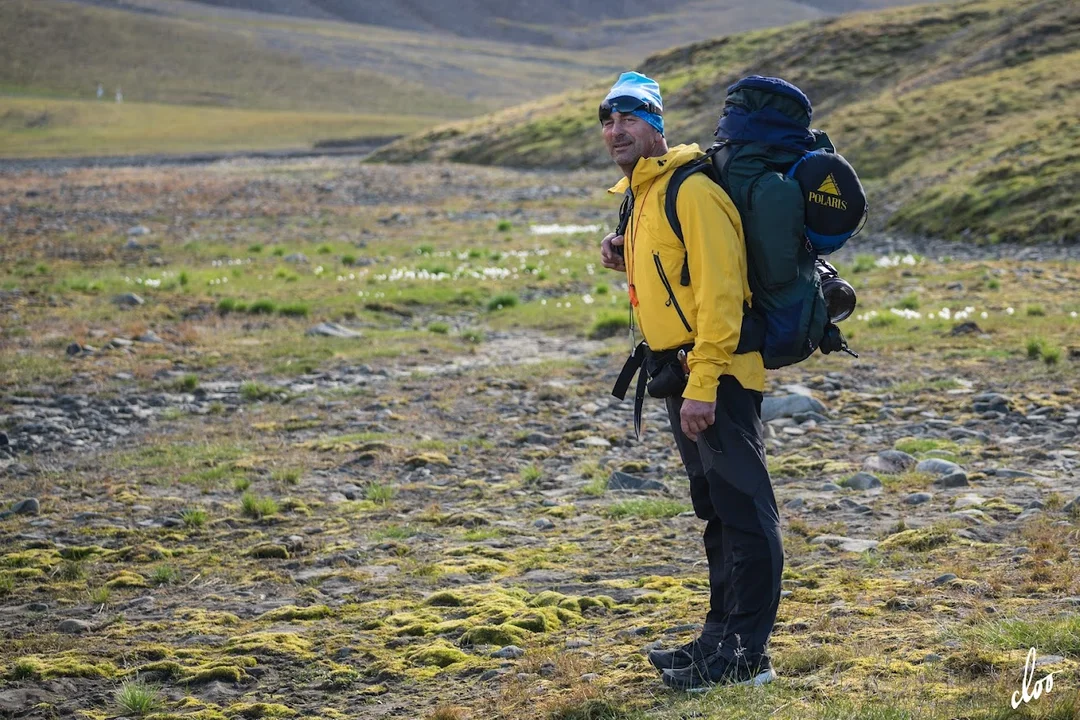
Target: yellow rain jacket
(708, 312)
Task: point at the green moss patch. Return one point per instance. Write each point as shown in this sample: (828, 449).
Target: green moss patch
(67, 664)
(283, 644)
(918, 540)
(292, 612)
(439, 654)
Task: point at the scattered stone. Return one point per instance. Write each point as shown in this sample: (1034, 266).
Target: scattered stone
(1072, 506)
(329, 329)
(942, 579)
(845, 543)
(937, 466)
(785, 406)
(593, 441)
(991, 402)
(37, 607)
(862, 481)
(29, 506)
(932, 658)
(918, 498)
(795, 504)
(128, 300)
(539, 438)
(138, 231)
(133, 244)
(889, 462)
(74, 349)
(543, 524)
(965, 328)
(575, 643)
(1009, 473)
(491, 674)
(830, 487)
(149, 337)
(17, 702)
(4, 441)
(968, 501)
(510, 652)
(296, 258)
(625, 481)
(121, 342)
(73, 627)
(953, 480)
(590, 677)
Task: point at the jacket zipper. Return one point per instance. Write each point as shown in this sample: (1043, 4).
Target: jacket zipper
(671, 293)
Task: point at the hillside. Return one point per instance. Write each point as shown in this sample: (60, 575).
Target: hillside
(960, 118)
(63, 49)
(573, 24)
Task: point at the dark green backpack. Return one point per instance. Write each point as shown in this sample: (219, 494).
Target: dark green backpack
(798, 199)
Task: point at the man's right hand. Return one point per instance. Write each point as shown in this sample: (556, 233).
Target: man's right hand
(609, 257)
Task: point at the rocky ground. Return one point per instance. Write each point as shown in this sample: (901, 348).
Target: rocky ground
(442, 512)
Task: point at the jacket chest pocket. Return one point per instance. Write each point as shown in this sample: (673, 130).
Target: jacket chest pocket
(672, 301)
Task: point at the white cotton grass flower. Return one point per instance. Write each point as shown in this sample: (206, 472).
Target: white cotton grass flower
(1072, 314)
(895, 260)
(906, 313)
(556, 229)
(984, 314)
(587, 299)
(1009, 311)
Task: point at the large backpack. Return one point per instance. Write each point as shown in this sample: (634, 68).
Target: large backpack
(798, 199)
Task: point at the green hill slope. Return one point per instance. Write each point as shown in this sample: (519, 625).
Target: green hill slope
(961, 118)
(64, 49)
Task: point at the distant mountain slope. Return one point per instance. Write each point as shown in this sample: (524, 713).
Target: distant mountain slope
(645, 25)
(64, 49)
(961, 118)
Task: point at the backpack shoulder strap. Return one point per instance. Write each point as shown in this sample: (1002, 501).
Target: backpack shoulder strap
(678, 177)
(625, 210)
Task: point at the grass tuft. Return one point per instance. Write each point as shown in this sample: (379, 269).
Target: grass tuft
(194, 517)
(254, 506)
(500, 302)
(137, 698)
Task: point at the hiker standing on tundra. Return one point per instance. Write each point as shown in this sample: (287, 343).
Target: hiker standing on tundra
(690, 295)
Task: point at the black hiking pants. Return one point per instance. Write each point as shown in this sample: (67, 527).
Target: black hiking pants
(731, 491)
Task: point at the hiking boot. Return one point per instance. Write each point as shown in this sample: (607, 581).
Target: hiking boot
(697, 650)
(718, 670)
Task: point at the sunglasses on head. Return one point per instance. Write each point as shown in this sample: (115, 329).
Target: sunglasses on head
(626, 104)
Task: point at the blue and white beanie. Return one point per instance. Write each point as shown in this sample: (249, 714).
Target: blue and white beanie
(633, 84)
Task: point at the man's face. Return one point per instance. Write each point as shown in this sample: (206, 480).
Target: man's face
(628, 138)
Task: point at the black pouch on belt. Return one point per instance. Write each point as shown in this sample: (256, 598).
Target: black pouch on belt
(659, 373)
(666, 376)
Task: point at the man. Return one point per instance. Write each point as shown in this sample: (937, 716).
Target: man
(716, 419)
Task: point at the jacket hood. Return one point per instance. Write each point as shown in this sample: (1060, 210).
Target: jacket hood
(648, 169)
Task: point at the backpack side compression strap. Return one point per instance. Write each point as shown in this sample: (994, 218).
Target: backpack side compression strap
(752, 334)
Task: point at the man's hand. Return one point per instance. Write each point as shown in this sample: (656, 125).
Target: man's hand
(696, 416)
(609, 257)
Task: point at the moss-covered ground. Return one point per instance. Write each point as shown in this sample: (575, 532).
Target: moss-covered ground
(352, 527)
